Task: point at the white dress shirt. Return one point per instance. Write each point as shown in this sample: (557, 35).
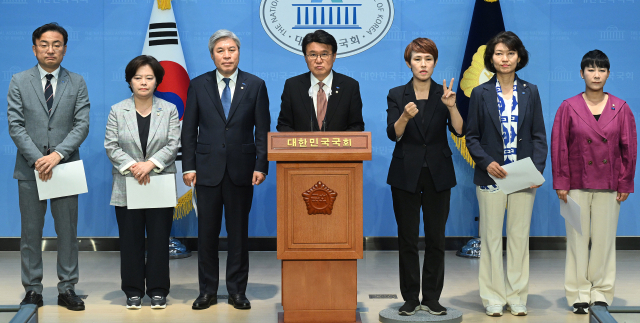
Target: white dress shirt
(54, 86)
(222, 84)
(313, 90)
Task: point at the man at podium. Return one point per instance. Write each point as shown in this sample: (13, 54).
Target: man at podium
(321, 99)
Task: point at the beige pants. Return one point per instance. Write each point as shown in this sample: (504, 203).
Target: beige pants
(590, 276)
(494, 288)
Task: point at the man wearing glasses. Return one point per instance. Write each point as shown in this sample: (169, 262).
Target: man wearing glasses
(320, 100)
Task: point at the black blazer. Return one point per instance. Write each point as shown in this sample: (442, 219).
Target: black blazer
(212, 143)
(344, 109)
(484, 130)
(420, 142)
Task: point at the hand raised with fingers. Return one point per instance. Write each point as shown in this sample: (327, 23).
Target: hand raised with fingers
(410, 111)
(449, 96)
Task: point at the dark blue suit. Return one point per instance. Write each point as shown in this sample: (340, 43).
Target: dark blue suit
(224, 153)
(484, 130)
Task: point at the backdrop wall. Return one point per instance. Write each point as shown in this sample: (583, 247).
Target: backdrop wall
(105, 35)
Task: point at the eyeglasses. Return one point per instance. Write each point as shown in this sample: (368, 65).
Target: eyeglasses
(56, 47)
(323, 56)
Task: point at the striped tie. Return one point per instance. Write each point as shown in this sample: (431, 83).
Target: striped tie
(321, 105)
(48, 92)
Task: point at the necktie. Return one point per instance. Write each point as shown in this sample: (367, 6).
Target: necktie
(226, 97)
(48, 92)
(322, 105)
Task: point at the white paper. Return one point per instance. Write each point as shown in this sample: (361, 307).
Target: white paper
(570, 211)
(159, 192)
(67, 179)
(521, 174)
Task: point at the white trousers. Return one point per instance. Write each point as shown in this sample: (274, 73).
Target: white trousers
(590, 276)
(494, 288)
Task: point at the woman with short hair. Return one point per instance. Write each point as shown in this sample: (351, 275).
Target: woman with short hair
(421, 173)
(142, 139)
(593, 158)
(505, 124)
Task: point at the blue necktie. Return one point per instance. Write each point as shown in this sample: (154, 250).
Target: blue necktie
(226, 97)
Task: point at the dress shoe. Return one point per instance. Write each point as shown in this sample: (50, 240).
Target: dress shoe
(204, 301)
(32, 298)
(71, 301)
(239, 301)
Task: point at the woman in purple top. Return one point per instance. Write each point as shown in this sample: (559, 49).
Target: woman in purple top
(593, 156)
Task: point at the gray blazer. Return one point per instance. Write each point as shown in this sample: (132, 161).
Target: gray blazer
(32, 129)
(122, 142)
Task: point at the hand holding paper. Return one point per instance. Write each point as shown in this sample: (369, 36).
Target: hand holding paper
(520, 174)
(69, 180)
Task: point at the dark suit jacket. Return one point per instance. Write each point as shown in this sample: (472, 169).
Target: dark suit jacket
(484, 130)
(420, 142)
(344, 109)
(212, 143)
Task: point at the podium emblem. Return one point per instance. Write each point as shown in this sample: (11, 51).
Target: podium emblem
(319, 199)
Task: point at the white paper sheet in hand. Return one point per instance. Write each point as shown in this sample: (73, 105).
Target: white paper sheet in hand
(67, 179)
(570, 211)
(159, 192)
(521, 174)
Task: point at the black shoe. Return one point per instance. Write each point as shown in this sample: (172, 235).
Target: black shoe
(134, 303)
(71, 301)
(239, 301)
(409, 308)
(433, 307)
(32, 298)
(581, 308)
(204, 301)
(158, 302)
(600, 304)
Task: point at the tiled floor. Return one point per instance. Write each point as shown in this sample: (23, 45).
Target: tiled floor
(377, 274)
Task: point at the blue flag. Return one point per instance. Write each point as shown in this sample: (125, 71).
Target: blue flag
(486, 22)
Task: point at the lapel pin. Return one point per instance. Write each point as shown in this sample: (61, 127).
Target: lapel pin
(158, 114)
(242, 88)
(522, 92)
(336, 92)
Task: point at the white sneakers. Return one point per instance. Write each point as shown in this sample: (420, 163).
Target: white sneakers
(517, 309)
(494, 310)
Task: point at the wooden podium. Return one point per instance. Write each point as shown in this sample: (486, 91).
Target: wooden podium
(319, 221)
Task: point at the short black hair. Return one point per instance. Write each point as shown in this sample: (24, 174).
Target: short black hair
(140, 61)
(52, 26)
(319, 36)
(513, 42)
(594, 58)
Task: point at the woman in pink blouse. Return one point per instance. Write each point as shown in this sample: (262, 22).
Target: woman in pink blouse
(593, 156)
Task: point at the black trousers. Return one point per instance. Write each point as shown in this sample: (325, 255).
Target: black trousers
(435, 210)
(132, 225)
(236, 201)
